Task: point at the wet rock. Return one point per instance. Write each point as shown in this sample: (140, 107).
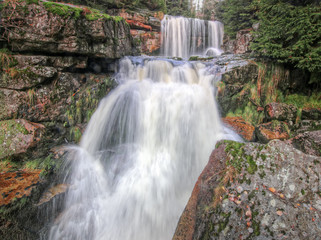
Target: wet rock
(53, 192)
(272, 130)
(311, 114)
(238, 124)
(18, 136)
(281, 112)
(255, 191)
(308, 142)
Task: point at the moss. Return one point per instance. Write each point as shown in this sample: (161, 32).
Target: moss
(63, 10)
(75, 134)
(252, 167)
(193, 58)
(302, 192)
(45, 164)
(32, 1)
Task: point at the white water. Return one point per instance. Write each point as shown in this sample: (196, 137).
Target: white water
(183, 37)
(141, 153)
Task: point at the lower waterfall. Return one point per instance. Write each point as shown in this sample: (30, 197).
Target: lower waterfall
(142, 153)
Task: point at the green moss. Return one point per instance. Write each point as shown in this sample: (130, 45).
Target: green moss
(95, 14)
(63, 10)
(302, 192)
(252, 167)
(303, 101)
(32, 1)
(41, 163)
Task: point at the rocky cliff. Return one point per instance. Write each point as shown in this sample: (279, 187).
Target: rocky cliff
(56, 64)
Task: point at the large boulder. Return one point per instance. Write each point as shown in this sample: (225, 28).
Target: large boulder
(255, 191)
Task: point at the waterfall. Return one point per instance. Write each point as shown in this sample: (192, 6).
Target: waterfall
(183, 37)
(141, 153)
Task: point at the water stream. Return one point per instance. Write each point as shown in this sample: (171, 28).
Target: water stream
(142, 152)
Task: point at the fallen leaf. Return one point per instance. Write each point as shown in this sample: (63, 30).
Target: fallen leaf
(271, 189)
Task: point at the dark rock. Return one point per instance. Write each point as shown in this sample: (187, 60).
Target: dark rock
(311, 114)
(238, 124)
(255, 191)
(308, 142)
(272, 130)
(281, 112)
(308, 125)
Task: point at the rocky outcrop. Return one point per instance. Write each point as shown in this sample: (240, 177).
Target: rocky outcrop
(145, 29)
(239, 45)
(53, 28)
(59, 67)
(255, 191)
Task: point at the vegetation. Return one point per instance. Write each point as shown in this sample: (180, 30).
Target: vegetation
(289, 30)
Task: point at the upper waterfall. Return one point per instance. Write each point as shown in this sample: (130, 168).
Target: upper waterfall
(183, 37)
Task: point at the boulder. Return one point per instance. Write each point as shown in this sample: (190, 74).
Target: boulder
(243, 128)
(272, 130)
(18, 136)
(308, 142)
(255, 191)
(281, 112)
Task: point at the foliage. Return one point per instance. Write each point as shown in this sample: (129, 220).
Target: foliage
(290, 33)
(236, 15)
(179, 8)
(289, 30)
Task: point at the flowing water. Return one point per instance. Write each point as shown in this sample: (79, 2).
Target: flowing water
(142, 152)
(183, 37)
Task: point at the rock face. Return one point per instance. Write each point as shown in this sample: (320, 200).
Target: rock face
(45, 28)
(239, 45)
(145, 29)
(255, 191)
(58, 68)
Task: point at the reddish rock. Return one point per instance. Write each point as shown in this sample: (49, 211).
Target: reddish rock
(272, 130)
(147, 42)
(17, 136)
(241, 44)
(15, 185)
(138, 25)
(281, 112)
(238, 124)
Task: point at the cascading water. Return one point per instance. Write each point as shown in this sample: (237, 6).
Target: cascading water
(183, 37)
(141, 153)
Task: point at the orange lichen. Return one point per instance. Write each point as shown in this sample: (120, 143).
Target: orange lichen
(241, 127)
(15, 185)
